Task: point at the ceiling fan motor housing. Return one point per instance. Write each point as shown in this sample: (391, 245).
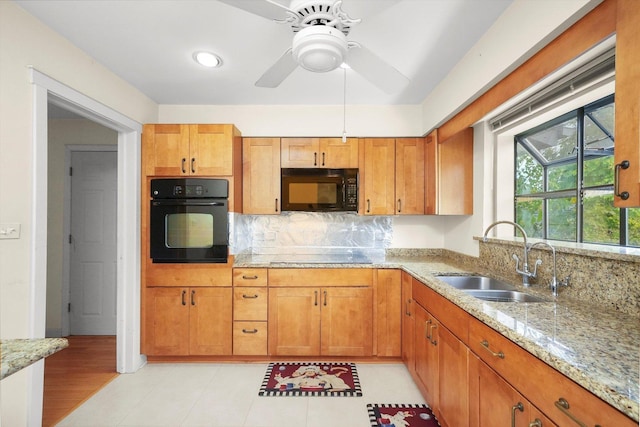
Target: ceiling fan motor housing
(319, 48)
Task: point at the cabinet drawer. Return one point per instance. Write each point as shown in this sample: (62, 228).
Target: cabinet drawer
(249, 277)
(442, 309)
(250, 303)
(540, 383)
(321, 277)
(250, 338)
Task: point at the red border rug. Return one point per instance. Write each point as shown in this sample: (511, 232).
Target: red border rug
(392, 415)
(311, 379)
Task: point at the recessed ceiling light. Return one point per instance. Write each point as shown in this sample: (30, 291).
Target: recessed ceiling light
(207, 59)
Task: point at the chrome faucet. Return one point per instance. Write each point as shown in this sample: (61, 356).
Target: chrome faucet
(525, 273)
(553, 284)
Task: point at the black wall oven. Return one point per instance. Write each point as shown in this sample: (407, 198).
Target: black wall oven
(189, 220)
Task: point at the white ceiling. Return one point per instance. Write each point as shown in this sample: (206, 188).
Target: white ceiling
(150, 43)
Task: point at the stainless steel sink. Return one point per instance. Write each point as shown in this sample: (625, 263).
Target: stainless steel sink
(503, 296)
(489, 289)
(475, 282)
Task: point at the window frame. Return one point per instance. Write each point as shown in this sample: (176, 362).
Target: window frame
(580, 189)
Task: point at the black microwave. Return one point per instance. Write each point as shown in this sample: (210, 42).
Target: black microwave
(319, 190)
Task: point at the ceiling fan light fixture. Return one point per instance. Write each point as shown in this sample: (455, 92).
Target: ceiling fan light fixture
(207, 59)
(319, 48)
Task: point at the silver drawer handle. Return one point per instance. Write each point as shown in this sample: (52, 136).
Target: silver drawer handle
(563, 405)
(485, 344)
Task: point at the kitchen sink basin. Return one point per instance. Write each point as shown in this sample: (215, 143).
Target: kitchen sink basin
(489, 289)
(496, 295)
(475, 282)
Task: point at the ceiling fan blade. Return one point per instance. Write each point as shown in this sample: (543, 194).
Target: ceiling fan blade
(278, 71)
(266, 8)
(375, 69)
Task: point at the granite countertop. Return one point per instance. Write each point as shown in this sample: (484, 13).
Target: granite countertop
(598, 349)
(17, 354)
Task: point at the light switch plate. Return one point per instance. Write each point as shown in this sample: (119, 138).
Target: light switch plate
(10, 231)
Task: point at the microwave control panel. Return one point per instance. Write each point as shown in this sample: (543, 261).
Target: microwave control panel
(352, 193)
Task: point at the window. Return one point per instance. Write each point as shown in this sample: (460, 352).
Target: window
(564, 179)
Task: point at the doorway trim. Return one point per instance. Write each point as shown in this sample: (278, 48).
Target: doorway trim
(66, 267)
(128, 358)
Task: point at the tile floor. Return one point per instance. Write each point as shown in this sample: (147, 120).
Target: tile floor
(226, 395)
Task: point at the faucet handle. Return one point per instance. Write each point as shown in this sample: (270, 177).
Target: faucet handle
(565, 282)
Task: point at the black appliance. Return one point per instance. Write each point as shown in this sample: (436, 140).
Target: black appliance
(189, 220)
(319, 190)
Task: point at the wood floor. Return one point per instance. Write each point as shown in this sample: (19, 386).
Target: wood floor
(74, 374)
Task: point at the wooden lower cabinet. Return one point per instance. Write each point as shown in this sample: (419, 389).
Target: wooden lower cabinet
(310, 321)
(453, 383)
(472, 375)
(408, 324)
(426, 356)
(188, 321)
(388, 313)
(493, 402)
(442, 369)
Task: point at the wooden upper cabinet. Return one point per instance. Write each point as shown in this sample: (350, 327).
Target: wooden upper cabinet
(319, 153)
(213, 148)
(431, 173)
(377, 188)
(165, 150)
(627, 134)
(261, 175)
(449, 174)
(191, 150)
(410, 181)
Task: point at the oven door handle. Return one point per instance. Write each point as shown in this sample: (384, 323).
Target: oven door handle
(185, 203)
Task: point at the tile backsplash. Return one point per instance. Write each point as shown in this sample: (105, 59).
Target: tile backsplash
(309, 232)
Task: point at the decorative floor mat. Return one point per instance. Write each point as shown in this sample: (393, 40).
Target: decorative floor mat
(401, 416)
(311, 379)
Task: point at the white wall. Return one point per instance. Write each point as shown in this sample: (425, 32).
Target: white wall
(25, 41)
(523, 29)
(302, 120)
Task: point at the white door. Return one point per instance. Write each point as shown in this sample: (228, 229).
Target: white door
(92, 274)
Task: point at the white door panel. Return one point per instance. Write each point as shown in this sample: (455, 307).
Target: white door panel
(92, 284)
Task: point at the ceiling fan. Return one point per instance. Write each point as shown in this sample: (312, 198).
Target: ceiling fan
(320, 42)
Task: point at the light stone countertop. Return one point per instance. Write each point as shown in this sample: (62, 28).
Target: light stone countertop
(598, 349)
(17, 354)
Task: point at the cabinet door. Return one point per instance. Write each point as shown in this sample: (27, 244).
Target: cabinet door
(210, 331)
(336, 154)
(167, 322)
(261, 175)
(211, 150)
(165, 150)
(294, 321)
(496, 403)
(378, 195)
(388, 312)
(408, 324)
(627, 126)
(455, 174)
(426, 353)
(453, 386)
(300, 153)
(431, 173)
(346, 322)
(410, 176)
